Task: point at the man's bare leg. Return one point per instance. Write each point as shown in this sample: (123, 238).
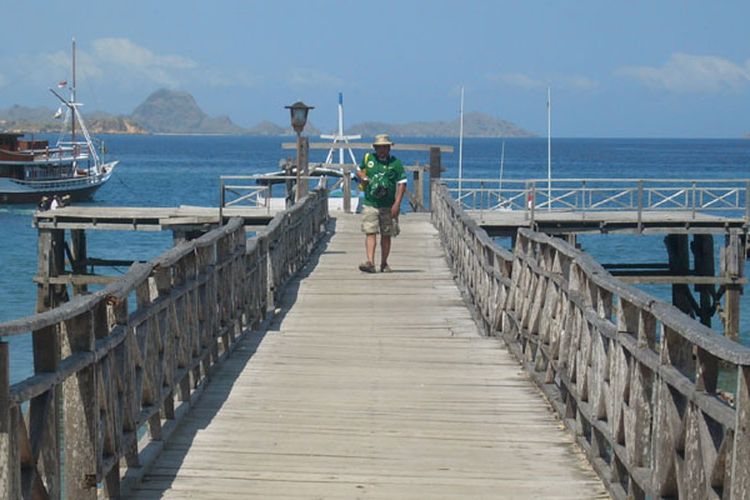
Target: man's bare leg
(370, 244)
(385, 250)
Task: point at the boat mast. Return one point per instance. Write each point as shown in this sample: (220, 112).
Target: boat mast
(73, 105)
(340, 137)
(73, 99)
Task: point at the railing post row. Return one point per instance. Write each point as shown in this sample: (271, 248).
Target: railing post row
(590, 342)
(741, 446)
(221, 201)
(694, 199)
(640, 205)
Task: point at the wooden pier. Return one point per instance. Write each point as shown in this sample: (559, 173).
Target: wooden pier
(232, 367)
(372, 386)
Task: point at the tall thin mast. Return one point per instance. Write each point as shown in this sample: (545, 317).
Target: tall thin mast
(461, 144)
(73, 99)
(339, 137)
(341, 125)
(549, 150)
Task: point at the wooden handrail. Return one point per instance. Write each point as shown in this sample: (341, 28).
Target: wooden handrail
(135, 354)
(635, 379)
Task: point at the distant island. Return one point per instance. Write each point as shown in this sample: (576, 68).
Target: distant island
(175, 112)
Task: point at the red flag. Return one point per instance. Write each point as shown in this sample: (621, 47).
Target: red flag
(62, 84)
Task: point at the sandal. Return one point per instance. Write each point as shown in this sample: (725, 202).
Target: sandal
(385, 268)
(367, 267)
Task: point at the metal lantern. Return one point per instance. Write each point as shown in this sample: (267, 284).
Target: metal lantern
(299, 112)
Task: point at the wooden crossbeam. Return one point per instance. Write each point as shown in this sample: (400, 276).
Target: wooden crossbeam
(655, 278)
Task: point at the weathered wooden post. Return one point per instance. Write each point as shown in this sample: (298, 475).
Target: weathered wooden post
(44, 410)
(6, 463)
(679, 265)
(732, 267)
(346, 188)
(50, 264)
(304, 165)
(418, 182)
(81, 413)
(436, 168)
(78, 257)
(741, 449)
(703, 255)
(289, 194)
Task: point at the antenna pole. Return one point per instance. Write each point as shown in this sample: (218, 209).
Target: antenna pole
(549, 150)
(341, 125)
(461, 145)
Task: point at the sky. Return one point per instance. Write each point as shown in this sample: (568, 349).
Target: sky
(615, 69)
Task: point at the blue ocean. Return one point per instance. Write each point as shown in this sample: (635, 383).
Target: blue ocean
(185, 170)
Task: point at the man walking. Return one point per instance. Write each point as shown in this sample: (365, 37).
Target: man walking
(384, 183)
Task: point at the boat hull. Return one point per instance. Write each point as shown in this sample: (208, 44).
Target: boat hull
(83, 188)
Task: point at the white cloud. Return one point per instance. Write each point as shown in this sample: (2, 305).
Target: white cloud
(575, 82)
(122, 55)
(240, 78)
(313, 78)
(123, 52)
(519, 80)
(692, 73)
(120, 63)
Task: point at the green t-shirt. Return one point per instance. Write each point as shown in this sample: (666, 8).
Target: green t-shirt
(380, 191)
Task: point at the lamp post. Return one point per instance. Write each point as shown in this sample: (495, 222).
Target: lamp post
(298, 112)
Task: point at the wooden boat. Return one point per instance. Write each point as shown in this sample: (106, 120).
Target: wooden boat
(32, 169)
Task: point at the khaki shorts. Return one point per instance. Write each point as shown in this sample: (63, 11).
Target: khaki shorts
(379, 221)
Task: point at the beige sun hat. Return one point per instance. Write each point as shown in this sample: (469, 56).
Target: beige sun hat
(382, 140)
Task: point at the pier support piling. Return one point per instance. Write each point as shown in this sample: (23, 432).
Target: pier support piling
(703, 256)
(78, 257)
(679, 265)
(732, 266)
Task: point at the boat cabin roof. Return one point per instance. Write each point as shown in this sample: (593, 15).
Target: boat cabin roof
(15, 142)
(9, 140)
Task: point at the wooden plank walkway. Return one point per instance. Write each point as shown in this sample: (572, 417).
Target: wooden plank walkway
(335, 401)
(506, 222)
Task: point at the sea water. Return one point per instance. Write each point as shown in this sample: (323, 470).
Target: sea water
(185, 170)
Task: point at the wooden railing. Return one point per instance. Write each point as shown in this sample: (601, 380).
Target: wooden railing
(256, 190)
(636, 380)
(115, 370)
(726, 197)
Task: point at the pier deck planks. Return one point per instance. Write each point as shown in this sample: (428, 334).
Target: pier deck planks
(144, 218)
(336, 401)
(506, 222)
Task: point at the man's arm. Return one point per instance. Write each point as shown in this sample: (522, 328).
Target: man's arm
(362, 168)
(396, 207)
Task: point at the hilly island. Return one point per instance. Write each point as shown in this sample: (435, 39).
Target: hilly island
(175, 112)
